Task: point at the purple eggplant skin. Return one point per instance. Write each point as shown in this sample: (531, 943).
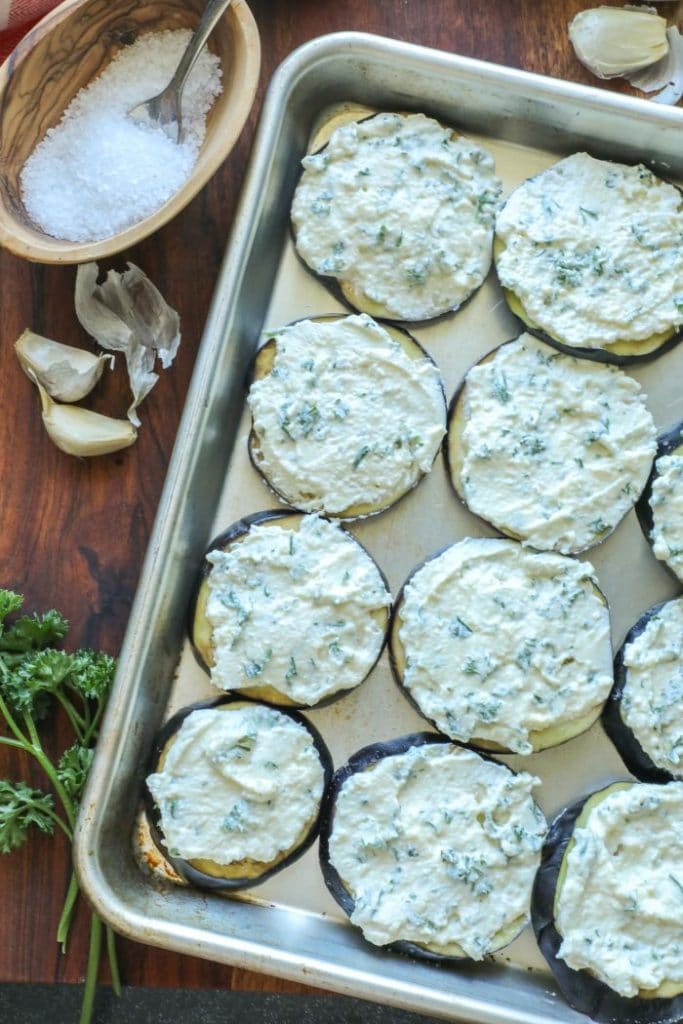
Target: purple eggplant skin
(192, 875)
(358, 762)
(667, 444)
(632, 754)
(582, 991)
(598, 355)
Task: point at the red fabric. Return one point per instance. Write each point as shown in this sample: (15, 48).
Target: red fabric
(23, 14)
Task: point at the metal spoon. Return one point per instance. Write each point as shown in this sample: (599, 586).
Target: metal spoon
(164, 109)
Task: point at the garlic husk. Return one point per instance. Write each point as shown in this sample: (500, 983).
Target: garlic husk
(614, 41)
(82, 432)
(66, 373)
(127, 313)
(666, 76)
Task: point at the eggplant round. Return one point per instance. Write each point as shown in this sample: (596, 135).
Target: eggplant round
(356, 229)
(305, 494)
(668, 443)
(591, 263)
(461, 619)
(636, 759)
(582, 990)
(200, 629)
(370, 757)
(525, 455)
(240, 874)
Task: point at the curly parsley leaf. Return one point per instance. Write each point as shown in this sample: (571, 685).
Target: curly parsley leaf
(92, 674)
(27, 688)
(21, 807)
(73, 768)
(9, 602)
(31, 632)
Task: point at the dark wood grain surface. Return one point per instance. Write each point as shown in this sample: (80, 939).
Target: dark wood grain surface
(73, 534)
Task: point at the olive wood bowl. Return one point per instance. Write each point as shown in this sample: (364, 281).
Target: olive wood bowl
(67, 49)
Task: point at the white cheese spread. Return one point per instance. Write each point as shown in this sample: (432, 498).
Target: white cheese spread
(438, 847)
(500, 642)
(666, 502)
(555, 450)
(345, 417)
(652, 699)
(594, 252)
(620, 908)
(295, 609)
(237, 784)
(400, 209)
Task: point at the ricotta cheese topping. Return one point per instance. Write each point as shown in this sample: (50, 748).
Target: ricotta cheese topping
(296, 609)
(594, 252)
(666, 502)
(501, 642)
(345, 417)
(400, 209)
(620, 908)
(241, 783)
(652, 698)
(555, 450)
(438, 847)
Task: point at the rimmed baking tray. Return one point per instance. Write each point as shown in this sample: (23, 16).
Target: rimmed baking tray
(290, 926)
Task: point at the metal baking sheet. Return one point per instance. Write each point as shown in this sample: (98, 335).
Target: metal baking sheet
(291, 926)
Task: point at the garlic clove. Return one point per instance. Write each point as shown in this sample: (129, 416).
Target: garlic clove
(614, 41)
(82, 432)
(66, 373)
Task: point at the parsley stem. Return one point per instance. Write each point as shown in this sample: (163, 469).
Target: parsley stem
(91, 970)
(92, 728)
(11, 724)
(37, 751)
(113, 961)
(67, 912)
(73, 716)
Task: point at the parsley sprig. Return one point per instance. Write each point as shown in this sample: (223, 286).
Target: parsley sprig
(36, 675)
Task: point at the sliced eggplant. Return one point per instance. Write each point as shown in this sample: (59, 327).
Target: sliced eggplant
(461, 623)
(243, 872)
(562, 447)
(669, 443)
(588, 259)
(622, 354)
(635, 757)
(390, 466)
(402, 234)
(286, 689)
(464, 867)
(583, 990)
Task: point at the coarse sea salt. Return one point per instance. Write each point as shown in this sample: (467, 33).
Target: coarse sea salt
(98, 171)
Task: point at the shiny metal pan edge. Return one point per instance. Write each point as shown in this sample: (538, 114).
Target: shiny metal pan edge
(259, 933)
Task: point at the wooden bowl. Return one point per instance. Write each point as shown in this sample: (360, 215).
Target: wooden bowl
(66, 50)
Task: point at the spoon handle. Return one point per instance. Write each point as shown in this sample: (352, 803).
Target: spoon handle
(212, 12)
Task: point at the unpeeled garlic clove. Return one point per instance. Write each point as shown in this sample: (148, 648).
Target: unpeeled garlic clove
(66, 373)
(82, 432)
(613, 41)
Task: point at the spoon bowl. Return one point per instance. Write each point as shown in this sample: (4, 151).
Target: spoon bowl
(62, 54)
(165, 109)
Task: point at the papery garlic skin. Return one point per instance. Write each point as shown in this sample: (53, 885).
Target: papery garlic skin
(614, 41)
(67, 373)
(82, 432)
(127, 313)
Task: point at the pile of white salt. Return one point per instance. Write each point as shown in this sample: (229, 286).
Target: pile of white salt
(98, 171)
